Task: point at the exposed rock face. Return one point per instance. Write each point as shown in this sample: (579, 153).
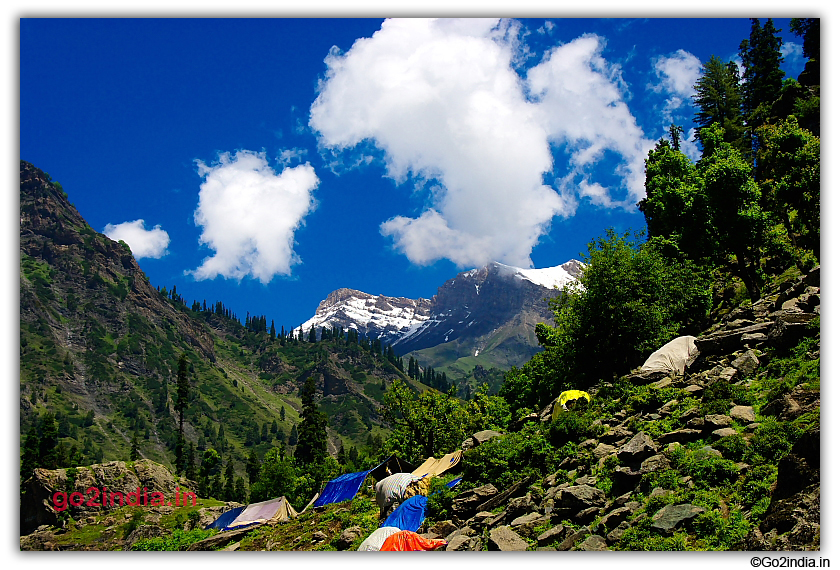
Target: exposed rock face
(39, 506)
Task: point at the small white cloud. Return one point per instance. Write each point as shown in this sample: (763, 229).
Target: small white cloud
(791, 49)
(249, 214)
(287, 156)
(143, 243)
(676, 76)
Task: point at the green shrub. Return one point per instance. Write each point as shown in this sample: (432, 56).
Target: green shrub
(440, 499)
(755, 488)
(721, 533)
(179, 540)
(572, 427)
(505, 460)
(704, 468)
(732, 447)
(771, 441)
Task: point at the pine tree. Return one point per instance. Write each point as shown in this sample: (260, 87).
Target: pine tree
(761, 57)
(30, 453)
(252, 467)
(293, 436)
(229, 489)
(48, 443)
(312, 433)
(135, 448)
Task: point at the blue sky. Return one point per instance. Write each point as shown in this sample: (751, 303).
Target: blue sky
(272, 161)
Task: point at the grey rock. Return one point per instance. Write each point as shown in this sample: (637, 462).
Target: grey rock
(744, 414)
(586, 516)
(444, 528)
(639, 448)
(603, 450)
(463, 542)
(671, 517)
(572, 539)
(725, 341)
(471, 499)
(525, 524)
(616, 434)
(654, 463)
(747, 363)
(593, 543)
(680, 436)
(580, 497)
(505, 539)
(319, 536)
(613, 518)
(479, 438)
(554, 534)
(618, 532)
(723, 432)
(753, 339)
(664, 383)
(696, 423)
(717, 421)
(707, 451)
(466, 531)
(347, 537)
(478, 521)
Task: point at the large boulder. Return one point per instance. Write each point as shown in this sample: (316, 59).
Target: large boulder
(38, 500)
(469, 501)
(671, 517)
(639, 448)
(505, 539)
(479, 438)
(578, 498)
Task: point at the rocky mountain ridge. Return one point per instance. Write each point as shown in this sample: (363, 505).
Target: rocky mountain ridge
(485, 316)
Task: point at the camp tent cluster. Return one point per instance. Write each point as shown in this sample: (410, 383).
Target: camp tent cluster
(401, 492)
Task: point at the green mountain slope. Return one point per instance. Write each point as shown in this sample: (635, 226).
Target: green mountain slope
(99, 349)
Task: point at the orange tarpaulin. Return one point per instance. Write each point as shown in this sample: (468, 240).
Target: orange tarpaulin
(406, 540)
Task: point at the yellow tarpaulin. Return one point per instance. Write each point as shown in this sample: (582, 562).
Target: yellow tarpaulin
(567, 396)
(434, 467)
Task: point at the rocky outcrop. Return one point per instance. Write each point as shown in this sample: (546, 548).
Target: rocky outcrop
(99, 488)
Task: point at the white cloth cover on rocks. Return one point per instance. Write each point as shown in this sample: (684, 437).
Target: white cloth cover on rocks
(377, 538)
(392, 488)
(672, 357)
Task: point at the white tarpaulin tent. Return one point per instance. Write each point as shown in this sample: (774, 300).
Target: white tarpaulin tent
(377, 538)
(672, 357)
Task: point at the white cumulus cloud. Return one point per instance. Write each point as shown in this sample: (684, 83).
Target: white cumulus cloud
(441, 100)
(676, 76)
(143, 243)
(249, 214)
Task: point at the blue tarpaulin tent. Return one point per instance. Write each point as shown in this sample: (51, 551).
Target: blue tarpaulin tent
(409, 515)
(346, 486)
(342, 488)
(453, 482)
(226, 518)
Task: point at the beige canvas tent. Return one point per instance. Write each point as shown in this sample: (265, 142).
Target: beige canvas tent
(271, 511)
(434, 467)
(672, 357)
